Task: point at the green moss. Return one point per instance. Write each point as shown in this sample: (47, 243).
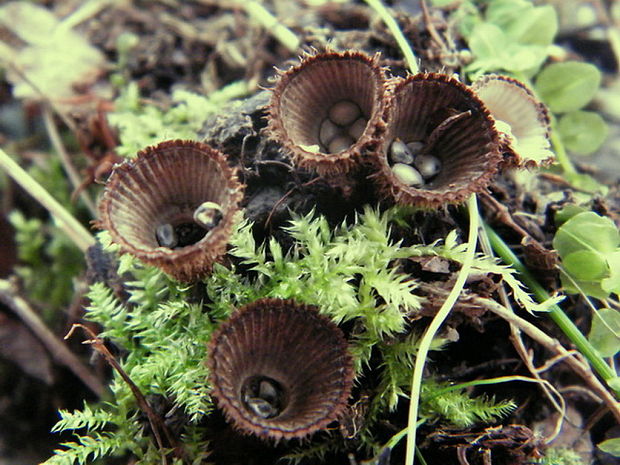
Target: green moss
(351, 272)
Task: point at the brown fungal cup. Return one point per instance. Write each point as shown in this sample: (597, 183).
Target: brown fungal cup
(450, 136)
(328, 111)
(173, 207)
(279, 369)
(522, 120)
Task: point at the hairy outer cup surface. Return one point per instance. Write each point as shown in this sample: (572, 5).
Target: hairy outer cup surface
(163, 186)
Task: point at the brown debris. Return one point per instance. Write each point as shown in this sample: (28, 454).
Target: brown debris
(508, 445)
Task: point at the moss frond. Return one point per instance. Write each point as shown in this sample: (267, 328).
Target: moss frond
(462, 411)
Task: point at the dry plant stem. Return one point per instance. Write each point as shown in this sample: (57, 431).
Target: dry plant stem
(555, 312)
(515, 333)
(393, 27)
(56, 141)
(58, 350)
(85, 11)
(156, 423)
(583, 391)
(431, 331)
(502, 214)
(285, 196)
(261, 15)
(579, 366)
(430, 27)
(560, 153)
(65, 221)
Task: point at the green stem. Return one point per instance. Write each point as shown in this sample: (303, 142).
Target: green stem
(485, 382)
(74, 229)
(393, 27)
(560, 153)
(555, 312)
(85, 11)
(261, 15)
(427, 338)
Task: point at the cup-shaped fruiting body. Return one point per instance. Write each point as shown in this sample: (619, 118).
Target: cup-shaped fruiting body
(328, 111)
(279, 369)
(522, 120)
(440, 144)
(173, 207)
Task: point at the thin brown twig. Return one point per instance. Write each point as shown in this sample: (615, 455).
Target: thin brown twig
(53, 133)
(517, 339)
(575, 361)
(555, 360)
(59, 351)
(285, 196)
(430, 27)
(503, 214)
(582, 390)
(157, 425)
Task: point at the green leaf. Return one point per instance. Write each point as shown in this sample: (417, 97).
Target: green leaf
(586, 183)
(504, 12)
(611, 446)
(605, 332)
(568, 86)
(614, 383)
(493, 50)
(587, 231)
(32, 23)
(487, 42)
(586, 243)
(582, 132)
(524, 22)
(538, 27)
(566, 213)
(586, 265)
(54, 61)
(612, 283)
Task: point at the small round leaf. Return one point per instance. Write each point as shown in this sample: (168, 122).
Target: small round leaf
(583, 132)
(568, 86)
(586, 265)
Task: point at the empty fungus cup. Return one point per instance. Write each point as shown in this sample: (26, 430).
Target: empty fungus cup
(279, 369)
(173, 207)
(328, 111)
(521, 120)
(440, 145)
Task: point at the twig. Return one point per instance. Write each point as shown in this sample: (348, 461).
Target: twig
(65, 221)
(429, 334)
(393, 27)
(56, 141)
(580, 367)
(261, 15)
(516, 337)
(560, 153)
(85, 11)
(155, 421)
(555, 312)
(285, 196)
(58, 350)
(430, 27)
